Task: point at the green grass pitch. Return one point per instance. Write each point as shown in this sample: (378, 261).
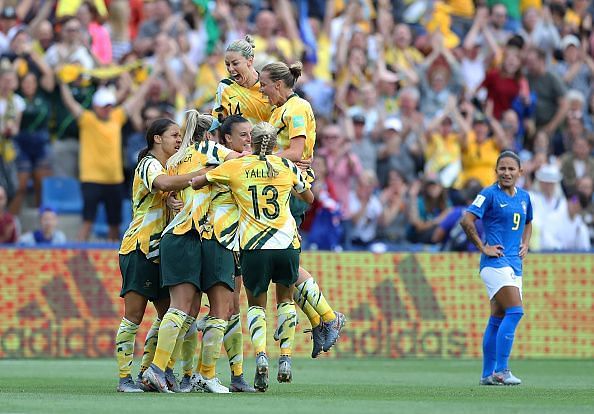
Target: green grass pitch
(324, 386)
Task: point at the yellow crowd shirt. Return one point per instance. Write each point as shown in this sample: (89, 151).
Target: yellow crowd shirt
(100, 156)
(148, 209)
(293, 119)
(265, 220)
(478, 160)
(196, 203)
(441, 151)
(233, 99)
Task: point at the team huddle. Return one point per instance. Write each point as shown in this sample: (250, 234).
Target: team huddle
(216, 209)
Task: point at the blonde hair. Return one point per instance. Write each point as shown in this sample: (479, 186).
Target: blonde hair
(264, 141)
(280, 71)
(119, 14)
(244, 46)
(196, 126)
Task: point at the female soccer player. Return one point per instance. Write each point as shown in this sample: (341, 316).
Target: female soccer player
(240, 93)
(506, 213)
(140, 245)
(261, 185)
(181, 271)
(294, 120)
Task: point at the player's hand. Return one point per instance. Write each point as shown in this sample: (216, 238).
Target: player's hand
(173, 203)
(304, 164)
(195, 183)
(523, 250)
(493, 251)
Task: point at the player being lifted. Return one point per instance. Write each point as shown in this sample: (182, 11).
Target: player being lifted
(261, 185)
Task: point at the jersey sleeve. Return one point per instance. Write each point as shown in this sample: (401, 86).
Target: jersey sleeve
(219, 107)
(221, 174)
(149, 170)
(300, 184)
(481, 203)
(215, 153)
(297, 120)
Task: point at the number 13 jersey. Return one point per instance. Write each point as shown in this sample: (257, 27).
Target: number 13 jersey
(265, 220)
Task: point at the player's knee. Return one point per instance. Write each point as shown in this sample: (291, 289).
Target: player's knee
(515, 311)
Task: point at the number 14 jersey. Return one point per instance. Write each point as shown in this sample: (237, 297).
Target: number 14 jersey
(265, 220)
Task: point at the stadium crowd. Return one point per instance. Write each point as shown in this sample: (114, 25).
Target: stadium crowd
(414, 101)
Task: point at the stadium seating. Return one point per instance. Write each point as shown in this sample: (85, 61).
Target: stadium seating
(63, 194)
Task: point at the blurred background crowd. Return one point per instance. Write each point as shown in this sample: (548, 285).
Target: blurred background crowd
(414, 100)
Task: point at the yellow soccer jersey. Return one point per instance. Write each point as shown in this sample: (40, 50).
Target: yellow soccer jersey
(223, 217)
(148, 206)
(233, 99)
(265, 220)
(295, 118)
(198, 156)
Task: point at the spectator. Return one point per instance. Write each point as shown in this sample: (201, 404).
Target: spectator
(576, 67)
(585, 186)
(539, 30)
(100, 133)
(11, 109)
(547, 198)
(118, 29)
(47, 233)
(32, 142)
(9, 229)
(158, 17)
(551, 104)
(429, 205)
(577, 164)
(364, 212)
(565, 230)
(361, 142)
(449, 232)
(393, 154)
(8, 27)
(96, 37)
(71, 48)
(393, 222)
(43, 36)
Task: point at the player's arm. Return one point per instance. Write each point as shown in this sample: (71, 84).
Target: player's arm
(526, 239)
(166, 182)
(220, 174)
(295, 150)
(306, 196)
(301, 188)
(469, 226)
(297, 122)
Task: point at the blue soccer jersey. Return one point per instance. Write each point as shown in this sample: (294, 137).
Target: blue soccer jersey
(504, 218)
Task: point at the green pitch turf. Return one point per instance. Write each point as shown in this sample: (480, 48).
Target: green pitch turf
(324, 386)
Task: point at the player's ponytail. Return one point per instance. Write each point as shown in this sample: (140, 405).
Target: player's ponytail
(264, 141)
(196, 126)
(245, 47)
(280, 71)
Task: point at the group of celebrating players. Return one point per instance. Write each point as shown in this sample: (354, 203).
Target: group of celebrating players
(222, 207)
(215, 209)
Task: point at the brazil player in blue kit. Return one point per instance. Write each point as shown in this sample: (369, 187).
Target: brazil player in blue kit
(506, 213)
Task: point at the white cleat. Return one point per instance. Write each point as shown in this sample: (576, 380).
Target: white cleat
(490, 380)
(213, 385)
(156, 377)
(505, 377)
(127, 384)
(196, 382)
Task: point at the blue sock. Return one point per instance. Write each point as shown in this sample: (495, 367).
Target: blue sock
(505, 336)
(490, 345)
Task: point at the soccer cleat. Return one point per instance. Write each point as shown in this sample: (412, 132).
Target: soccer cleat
(318, 335)
(156, 377)
(171, 380)
(196, 382)
(127, 384)
(143, 386)
(490, 380)
(261, 378)
(505, 377)
(333, 329)
(213, 385)
(238, 384)
(185, 385)
(284, 369)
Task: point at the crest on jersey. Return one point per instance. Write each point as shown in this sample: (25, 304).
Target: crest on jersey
(524, 207)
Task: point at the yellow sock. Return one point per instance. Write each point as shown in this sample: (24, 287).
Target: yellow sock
(188, 350)
(309, 311)
(125, 346)
(287, 319)
(175, 354)
(199, 359)
(257, 324)
(150, 344)
(171, 325)
(212, 339)
(313, 295)
(233, 342)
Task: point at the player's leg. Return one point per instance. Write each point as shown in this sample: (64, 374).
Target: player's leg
(189, 345)
(134, 308)
(510, 299)
(310, 298)
(490, 344)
